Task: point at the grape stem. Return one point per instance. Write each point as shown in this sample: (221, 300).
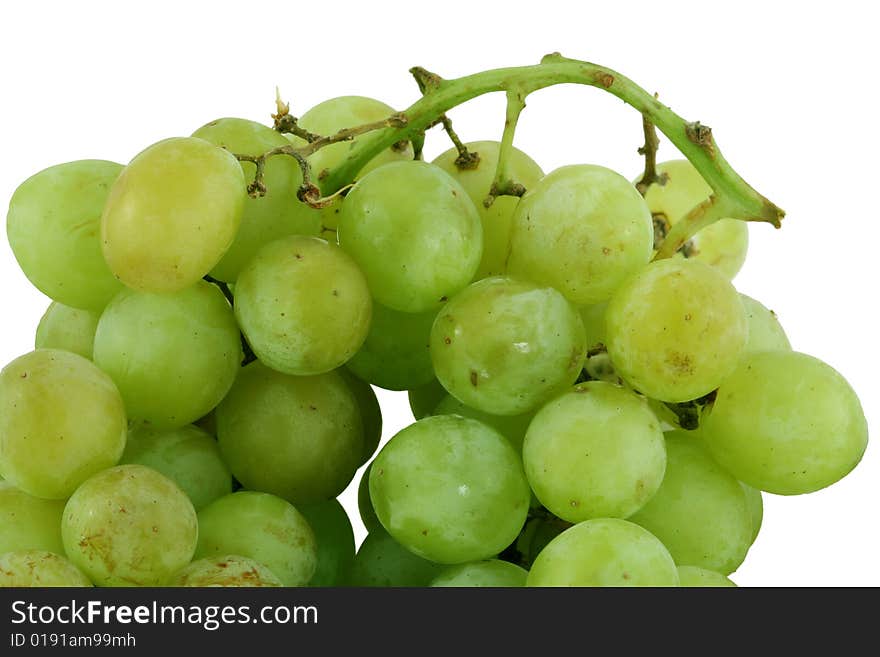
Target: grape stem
(503, 184)
(649, 150)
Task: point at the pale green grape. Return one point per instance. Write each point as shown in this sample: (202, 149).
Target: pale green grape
(53, 227)
(765, 331)
(490, 573)
(537, 533)
(505, 346)
(512, 427)
(756, 508)
(604, 552)
(303, 305)
(297, 437)
(365, 504)
(61, 421)
(701, 512)
(675, 330)
(382, 562)
(335, 539)
(129, 526)
(265, 218)
(264, 528)
(786, 423)
(583, 229)
(414, 232)
(172, 214)
(70, 329)
(173, 356)
(593, 317)
(424, 399)
(497, 217)
(39, 568)
(371, 412)
(692, 576)
(225, 570)
(28, 522)
(450, 489)
(594, 452)
(188, 456)
(395, 354)
(724, 244)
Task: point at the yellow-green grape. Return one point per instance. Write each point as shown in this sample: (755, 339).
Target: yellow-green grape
(225, 570)
(505, 346)
(173, 356)
(676, 330)
(756, 508)
(490, 573)
(700, 512)
(424, 399)
(692, 576)
(303, 305)
(450, 489)
(371, 412)
(512, 427)
(53, 227)
(365, 504)
(70, 329)
(61, 420)
(28, 522)
(583, 229)
(724, 244)
(298, 437)
(786, 423)
(593, 317)
(264, 528)
(477, 182)
(395, 355)
(383, 562)
(265, 218)
(188, 456)
(594, 452)
(335, 539)
(172, 214)
(129, 526)
(39, 568)
(604, 552)
(414, 232)
(765, 331)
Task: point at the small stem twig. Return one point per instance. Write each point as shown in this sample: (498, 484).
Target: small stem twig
(286, 122)
(503, 184)
(466, 159)
(649, 150)
(705, 214)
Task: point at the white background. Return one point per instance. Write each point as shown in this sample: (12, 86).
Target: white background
(789, 92)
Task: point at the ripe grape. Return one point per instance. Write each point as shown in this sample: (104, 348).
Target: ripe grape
(512, 427)
(491, 573)
(70, 329)
(335, 540)
(765, 331)
(382, 561)
(225, 570)
(28, 522)
(39, 568)
(755, 503)
(365, 504)
(692, 576)
(424, 399)
(371, 412)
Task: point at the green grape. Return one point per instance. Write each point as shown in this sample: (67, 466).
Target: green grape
(477, 182)
(187, 455)
(28, 522)
(505, 346)
(701, 512)
(604, 552)
(265, 218)
(424, 399)
(172, 214)
(512, 427)
(303, 305)
(129, 526)
(594, 452)
(491, 573)
(225, 570)
(538, 533)
(261, 527)
(765, 331)
(53, 228)
(370, 411)
(70, 329)
(297, 437)
(786, 423)
(692, 576)
(415, 234)
(676, 330)
(583, 229)
(395, 354)
(722, 245)
(382, 562)
(61, 421)
(756, 508)
(335, 539)
(39, 568)
(365, 504)
(173, 355)
(593, 317)
(450, 489)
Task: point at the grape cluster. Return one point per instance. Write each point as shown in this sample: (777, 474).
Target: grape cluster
(200, 392)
